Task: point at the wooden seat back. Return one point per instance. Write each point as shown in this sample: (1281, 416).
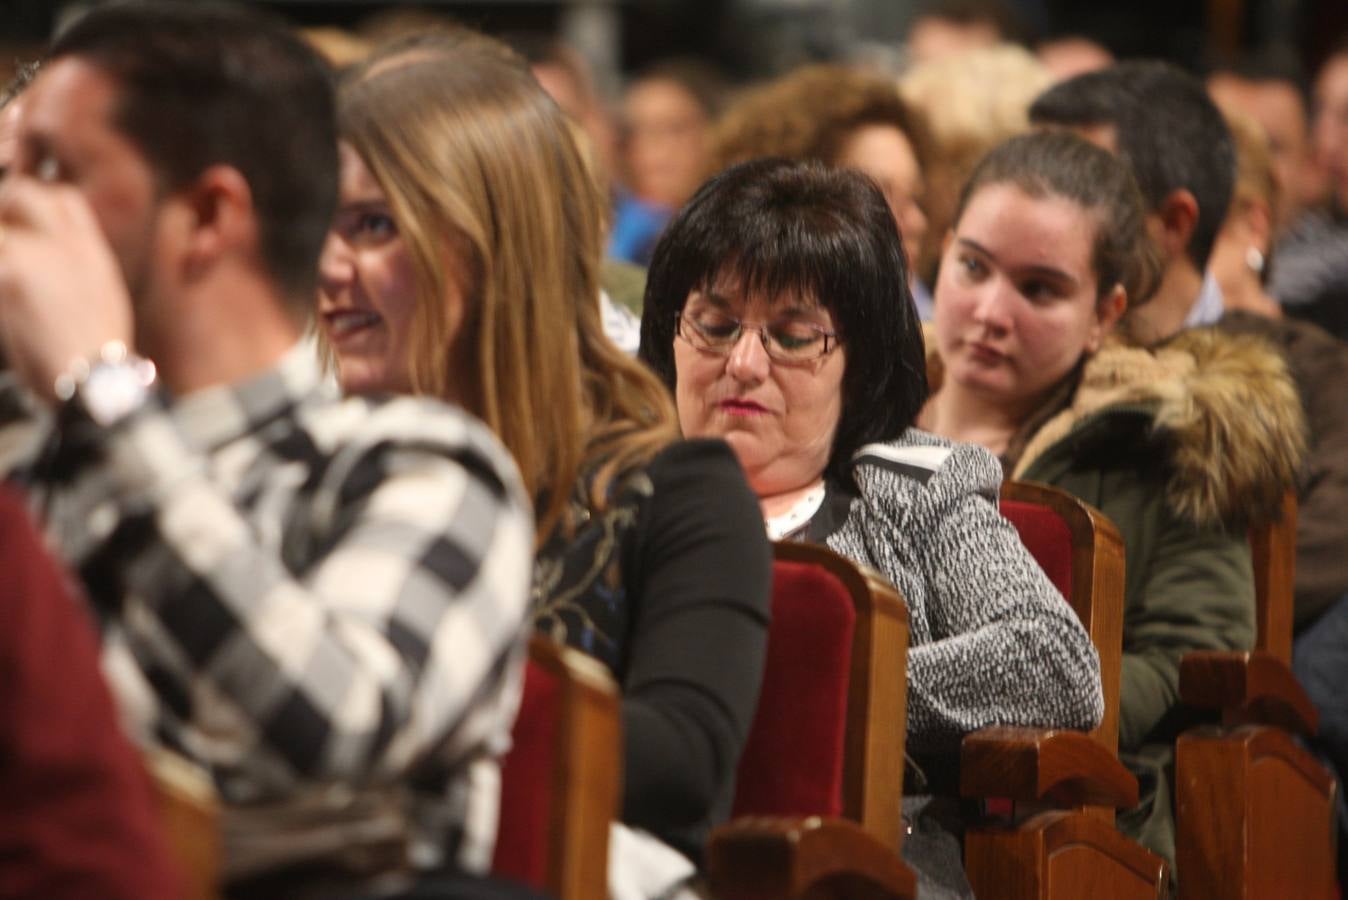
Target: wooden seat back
(1273, 552)
(561, 781)
(1082, 552)
(818, 796)
(1073, 851)
(837, 657)
(1255, 812)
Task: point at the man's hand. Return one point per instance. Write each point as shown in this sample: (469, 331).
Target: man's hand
(62, 294)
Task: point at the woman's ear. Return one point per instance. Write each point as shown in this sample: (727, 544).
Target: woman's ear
(1259, 221)
(1107, 314)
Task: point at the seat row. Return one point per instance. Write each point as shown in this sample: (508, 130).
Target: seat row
(818, 799)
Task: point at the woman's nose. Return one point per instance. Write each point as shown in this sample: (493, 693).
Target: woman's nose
(993, 306)
(748, 361)
(336, 264)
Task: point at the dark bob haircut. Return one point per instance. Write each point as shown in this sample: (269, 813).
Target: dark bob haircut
(777, 229)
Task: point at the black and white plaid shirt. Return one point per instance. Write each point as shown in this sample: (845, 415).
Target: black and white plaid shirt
(307, 594)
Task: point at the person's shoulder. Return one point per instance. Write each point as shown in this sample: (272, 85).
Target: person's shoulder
(932, 462)
(1234, 422)
(693, 453)
(409, 427)
(705, 467)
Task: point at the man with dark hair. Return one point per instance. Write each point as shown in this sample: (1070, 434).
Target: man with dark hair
(320, 602)
(1161, 122)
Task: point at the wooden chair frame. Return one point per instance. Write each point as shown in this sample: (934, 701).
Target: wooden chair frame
(190, 810)
(1074, 850)
(856, 856)
(1228, 777)
(587, 771)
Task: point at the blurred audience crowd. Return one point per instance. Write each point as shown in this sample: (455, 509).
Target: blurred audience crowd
(336, 363)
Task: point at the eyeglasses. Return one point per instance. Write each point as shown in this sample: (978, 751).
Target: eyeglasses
(790, 341)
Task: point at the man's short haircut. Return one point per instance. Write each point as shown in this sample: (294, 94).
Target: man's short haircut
(1167, 129)
(204, 85)
(24, 74)
(802, 230)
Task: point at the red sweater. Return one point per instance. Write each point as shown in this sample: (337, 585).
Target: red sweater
(77, 818)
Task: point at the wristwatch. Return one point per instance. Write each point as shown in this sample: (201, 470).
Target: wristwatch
(111, 386)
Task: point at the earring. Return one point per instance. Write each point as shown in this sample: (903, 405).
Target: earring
(1254, 260)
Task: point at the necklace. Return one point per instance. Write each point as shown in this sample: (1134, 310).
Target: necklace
(783, 524)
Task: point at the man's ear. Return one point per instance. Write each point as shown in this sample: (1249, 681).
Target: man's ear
(222, 219)
(1178, 217)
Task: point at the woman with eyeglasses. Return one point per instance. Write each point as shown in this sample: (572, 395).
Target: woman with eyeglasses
(464, 263)
(777, 310)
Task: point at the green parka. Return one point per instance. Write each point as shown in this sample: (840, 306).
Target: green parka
(1182, 447)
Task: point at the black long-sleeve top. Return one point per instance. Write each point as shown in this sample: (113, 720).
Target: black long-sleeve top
(670, 587)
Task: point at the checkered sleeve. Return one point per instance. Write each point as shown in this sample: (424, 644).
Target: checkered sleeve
(408, 611)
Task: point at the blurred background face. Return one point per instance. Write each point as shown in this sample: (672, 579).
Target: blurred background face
(667, 141)
(886, 155)
(936, 37)
(1069, 57)
(1016, 298)
(1278, 107)
(1331, 125)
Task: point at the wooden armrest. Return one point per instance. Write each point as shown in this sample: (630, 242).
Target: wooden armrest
(1067, 768)
(1254, 688)
(1020, 861)
(765, 858)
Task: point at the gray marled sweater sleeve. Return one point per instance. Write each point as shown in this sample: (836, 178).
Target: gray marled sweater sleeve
(993, 642)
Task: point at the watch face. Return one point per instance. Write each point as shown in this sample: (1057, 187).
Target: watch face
(111, 391)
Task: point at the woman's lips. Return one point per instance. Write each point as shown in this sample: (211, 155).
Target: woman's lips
(741, 408)
(347, 323)
(985, 354)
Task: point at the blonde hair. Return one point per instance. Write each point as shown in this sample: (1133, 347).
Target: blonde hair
(339, 47)
(469, 150)
(1256, 179)
(965, 106)
(972, 102)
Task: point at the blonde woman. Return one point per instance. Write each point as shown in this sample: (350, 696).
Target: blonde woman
(464, 264)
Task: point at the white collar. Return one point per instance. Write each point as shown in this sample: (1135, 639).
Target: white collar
(779, 526)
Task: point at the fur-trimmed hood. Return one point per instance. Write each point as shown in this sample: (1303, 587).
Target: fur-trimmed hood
(1223, 404)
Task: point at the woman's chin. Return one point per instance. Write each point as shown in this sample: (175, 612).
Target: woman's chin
(358, 377)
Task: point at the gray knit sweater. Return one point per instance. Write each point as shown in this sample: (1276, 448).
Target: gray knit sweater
(992, 641)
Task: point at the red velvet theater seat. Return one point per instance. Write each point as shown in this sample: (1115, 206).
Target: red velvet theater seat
(788, 769)
(820, 782)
